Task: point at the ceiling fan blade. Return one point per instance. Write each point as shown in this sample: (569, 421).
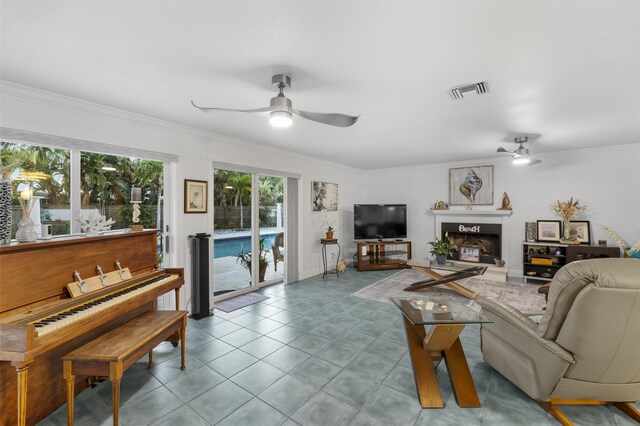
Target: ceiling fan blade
(265, 109)
(534, 162)
(504, 151)
(332, 119)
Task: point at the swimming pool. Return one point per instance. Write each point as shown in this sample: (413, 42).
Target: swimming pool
(232, 246)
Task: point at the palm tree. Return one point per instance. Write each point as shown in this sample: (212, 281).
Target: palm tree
(241, 183)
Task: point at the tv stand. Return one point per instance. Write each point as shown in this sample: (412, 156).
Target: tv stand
(380, 255)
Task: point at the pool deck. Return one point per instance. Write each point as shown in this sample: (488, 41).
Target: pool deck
(230, 275)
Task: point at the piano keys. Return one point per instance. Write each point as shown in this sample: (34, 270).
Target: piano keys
(40, 323)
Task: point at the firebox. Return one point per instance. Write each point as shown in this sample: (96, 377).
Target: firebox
(477, 242)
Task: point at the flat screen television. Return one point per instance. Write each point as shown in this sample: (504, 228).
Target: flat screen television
(377, 221)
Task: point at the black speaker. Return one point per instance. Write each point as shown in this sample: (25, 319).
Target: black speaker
(200, 275)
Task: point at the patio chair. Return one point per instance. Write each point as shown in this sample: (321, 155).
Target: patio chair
(277, 248)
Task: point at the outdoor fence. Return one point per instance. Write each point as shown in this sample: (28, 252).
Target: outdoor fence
(234, 217)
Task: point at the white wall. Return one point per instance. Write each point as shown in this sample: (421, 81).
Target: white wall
(42, 112)
(605, 180)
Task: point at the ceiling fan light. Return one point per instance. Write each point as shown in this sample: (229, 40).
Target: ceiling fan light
(521, 160)
(280, 118)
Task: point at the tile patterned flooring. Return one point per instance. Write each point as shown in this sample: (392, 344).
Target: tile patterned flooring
(311, 354)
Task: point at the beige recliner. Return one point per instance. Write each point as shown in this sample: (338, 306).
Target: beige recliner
(586, 349)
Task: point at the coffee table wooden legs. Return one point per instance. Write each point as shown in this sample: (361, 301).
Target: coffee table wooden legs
(442, 279)
(461, 381)
(423, 370)
(440, 341)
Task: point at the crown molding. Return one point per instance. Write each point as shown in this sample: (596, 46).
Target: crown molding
(505, 159)
(63, 102)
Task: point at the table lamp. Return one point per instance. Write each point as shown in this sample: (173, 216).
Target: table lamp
(136, 199)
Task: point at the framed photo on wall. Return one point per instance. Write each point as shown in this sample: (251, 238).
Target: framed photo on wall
(581, 229)
(195, 196)
(324, 195)
(549, 230)
(471, 185)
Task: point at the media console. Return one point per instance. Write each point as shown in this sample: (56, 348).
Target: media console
(377, 255)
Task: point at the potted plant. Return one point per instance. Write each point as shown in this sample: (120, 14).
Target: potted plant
(329, 226)
(442, 248)
(244, 258)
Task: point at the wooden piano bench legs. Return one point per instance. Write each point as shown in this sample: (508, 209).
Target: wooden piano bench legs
(112, 353)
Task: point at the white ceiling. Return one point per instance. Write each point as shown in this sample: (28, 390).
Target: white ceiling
(566, 70)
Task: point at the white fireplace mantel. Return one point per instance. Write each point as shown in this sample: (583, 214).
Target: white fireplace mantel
(472, 212)
(478, 216)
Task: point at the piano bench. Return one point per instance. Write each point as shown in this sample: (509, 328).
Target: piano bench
(114, 352)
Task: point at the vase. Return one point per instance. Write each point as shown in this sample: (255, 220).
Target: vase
(567, 238)
(26, 231)
(441, 259)
(5, 211)
(329, 235)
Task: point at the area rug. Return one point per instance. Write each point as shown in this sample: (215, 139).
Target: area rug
(238, 302)
(523, 297)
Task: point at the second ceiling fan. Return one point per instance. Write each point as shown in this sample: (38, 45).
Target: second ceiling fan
(281, 111)
(521, 155)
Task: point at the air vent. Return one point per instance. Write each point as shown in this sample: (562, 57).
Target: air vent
(458, 92)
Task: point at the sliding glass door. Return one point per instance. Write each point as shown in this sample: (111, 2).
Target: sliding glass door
(248, 218)
(271, 228)
(232, 236)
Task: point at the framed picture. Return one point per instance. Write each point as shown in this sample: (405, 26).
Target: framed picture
(195, 196)
(531, 232)
(581, 229)
(324, 195)
(549, 230)
(469, 254)
(471, 185)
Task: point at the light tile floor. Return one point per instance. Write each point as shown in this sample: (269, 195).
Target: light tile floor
(311, 354)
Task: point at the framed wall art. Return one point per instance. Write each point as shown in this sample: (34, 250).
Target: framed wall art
(549, 230)
(195, 196)
(471, 186)
(469, 254)
(324, 195)
(581, 229)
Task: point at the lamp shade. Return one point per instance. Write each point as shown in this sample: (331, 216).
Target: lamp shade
(521, 160)
(280, 118)
(136, 195)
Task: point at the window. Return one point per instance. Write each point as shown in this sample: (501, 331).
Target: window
(45, 171)
(105, 186)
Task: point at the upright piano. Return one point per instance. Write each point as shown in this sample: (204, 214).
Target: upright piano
(40, 322)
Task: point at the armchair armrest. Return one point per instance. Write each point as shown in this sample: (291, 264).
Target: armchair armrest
(521, 322)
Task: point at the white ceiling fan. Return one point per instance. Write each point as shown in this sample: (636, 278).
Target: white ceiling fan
(521, 155)
(280, 109)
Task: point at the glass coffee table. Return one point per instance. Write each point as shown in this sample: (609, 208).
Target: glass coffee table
(445, 274)
(427, 347)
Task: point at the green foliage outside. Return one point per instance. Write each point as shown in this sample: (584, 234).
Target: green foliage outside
(232, 199)
(106, 190)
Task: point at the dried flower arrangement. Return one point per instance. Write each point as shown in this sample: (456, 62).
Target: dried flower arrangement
(567, 210)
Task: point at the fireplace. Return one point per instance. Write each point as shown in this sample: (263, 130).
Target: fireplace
(477, 242)
(489, 222)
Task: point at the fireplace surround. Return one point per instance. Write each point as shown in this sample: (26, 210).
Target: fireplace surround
(486, 230)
